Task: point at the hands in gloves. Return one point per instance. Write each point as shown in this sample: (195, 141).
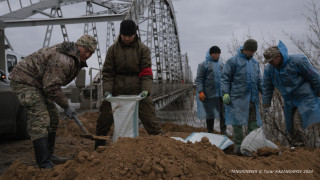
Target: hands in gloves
(70, 112)
(226, 99)
(202, 96)
(107, 94)
(144, 94)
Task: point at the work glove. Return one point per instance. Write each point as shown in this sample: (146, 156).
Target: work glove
(144, 94)
(107, 94)
(226, 99)
(70, 112)
(202, 96)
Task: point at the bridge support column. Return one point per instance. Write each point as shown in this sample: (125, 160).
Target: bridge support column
(2, 47)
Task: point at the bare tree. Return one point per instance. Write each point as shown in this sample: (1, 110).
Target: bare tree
(310, 46)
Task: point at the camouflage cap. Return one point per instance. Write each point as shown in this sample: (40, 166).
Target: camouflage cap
(270, 53)
(87, 42)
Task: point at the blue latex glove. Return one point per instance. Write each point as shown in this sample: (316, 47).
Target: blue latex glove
(107, 94)
(226, 99)
(144, 94)
(70, 112)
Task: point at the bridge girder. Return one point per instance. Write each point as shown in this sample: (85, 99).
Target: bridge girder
(170, 69)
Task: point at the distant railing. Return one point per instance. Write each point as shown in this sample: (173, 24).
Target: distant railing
(92, 83)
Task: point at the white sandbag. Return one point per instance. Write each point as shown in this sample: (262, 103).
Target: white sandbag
(255, 140)
(221, 141)
(179, 139)
(125, 110)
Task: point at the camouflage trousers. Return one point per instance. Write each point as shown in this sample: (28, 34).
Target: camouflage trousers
(146, 115)
(42, 113)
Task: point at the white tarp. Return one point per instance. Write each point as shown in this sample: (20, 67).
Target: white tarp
(221, 141)
(125, 110)
(255, 140)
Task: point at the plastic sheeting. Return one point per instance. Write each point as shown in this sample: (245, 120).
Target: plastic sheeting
(221, 141)
(125, 114)
(255, 140)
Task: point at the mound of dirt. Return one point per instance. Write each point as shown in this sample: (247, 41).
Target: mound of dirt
(267, 151)
(161, 157)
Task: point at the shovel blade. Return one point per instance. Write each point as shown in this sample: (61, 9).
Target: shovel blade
(88, 136)
(94, 137)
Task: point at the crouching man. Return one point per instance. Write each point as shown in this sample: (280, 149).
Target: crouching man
(37, 81)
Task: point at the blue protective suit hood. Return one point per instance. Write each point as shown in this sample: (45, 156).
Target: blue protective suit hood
(208, 56)
(284, 52)
(240, 53)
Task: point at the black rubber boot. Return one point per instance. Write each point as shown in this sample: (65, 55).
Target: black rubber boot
(99, 143)
(224, 130)
(41, 152)
(54, 158)
(210, 124)
(236, 150)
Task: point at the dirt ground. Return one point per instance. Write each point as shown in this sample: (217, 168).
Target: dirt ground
(153, 157)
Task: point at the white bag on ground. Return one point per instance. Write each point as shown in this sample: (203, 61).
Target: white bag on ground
(125, 110)
(219, 140)
(255, 140)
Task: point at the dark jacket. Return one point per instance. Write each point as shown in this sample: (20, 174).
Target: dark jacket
(120, 73)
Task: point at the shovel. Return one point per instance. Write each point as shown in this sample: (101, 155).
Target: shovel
(86, 132)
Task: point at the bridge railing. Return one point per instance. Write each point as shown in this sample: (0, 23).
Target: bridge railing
(165, 93)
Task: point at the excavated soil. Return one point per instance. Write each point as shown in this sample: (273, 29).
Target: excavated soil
(153, 157)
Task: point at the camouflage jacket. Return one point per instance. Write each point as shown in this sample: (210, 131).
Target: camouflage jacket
(50, 68)
(122, 67)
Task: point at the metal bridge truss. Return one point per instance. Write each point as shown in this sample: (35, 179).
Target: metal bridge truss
(157, 28)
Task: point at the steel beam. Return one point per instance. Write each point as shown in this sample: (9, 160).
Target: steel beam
(2, 48)
(58, 21)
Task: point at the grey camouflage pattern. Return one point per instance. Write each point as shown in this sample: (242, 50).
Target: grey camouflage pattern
(87, 42)
(50, 68)
(270, 53)
(42, 113)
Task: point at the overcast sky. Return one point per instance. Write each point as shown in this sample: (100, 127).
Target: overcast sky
(201, 24)
(204, 23)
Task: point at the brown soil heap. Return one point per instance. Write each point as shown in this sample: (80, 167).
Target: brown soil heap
(161, 157)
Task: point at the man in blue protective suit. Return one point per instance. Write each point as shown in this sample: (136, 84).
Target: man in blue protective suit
(299, 83)
(208, 84)
(241, 83)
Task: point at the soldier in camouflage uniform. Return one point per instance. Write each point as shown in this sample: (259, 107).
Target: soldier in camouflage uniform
(127, 71)
(37, 81)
